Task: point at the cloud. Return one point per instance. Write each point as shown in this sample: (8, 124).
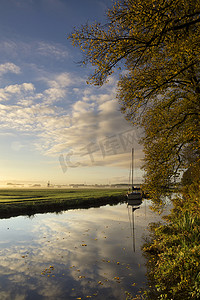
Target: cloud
(16, 90)
(69, 116)
(52, 49)
(63, 80)
(82, 107)
(17, 49)
(19, 88)
(9, 68)
(53, 95)
(60, 86)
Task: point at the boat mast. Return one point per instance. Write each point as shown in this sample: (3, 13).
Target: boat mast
(132, 166)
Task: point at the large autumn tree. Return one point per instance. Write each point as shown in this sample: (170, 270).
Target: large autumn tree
(156, 43)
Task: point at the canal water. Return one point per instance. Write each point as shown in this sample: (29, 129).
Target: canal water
(78, 254)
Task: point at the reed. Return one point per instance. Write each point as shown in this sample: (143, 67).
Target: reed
(173, 254)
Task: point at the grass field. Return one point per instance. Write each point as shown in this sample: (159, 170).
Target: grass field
(29, 201)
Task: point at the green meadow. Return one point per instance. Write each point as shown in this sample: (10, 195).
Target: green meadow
(30, 201)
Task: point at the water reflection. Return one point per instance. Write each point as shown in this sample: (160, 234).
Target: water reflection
(78, 254)
(133, 205)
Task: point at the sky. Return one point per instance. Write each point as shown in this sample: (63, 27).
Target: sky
(53, 125)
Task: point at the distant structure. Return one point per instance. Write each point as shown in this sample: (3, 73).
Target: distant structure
(48, 184)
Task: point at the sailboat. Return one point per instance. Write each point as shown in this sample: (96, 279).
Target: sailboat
(135, 194)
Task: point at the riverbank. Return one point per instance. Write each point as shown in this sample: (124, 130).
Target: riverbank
(15, 202)
(173, 253)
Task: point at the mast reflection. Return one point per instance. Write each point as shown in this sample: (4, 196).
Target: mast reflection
(133, 205)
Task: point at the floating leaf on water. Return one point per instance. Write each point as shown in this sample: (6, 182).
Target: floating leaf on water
(134, 284)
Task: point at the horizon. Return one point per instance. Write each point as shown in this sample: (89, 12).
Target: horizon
(48, 184)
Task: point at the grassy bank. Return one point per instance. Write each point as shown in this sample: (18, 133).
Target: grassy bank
(174, 251)
(15, 202)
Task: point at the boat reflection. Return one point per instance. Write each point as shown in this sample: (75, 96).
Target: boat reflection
(133, 205)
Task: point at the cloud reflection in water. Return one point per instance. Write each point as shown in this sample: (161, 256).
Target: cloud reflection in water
(75, 254)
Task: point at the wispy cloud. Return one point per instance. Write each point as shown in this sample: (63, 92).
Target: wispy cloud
(52, 49)
(17, 49)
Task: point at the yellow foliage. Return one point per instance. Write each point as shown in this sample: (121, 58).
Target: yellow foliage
(157, 44)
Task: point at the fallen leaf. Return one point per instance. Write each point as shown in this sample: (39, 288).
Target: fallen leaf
(134, 284)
